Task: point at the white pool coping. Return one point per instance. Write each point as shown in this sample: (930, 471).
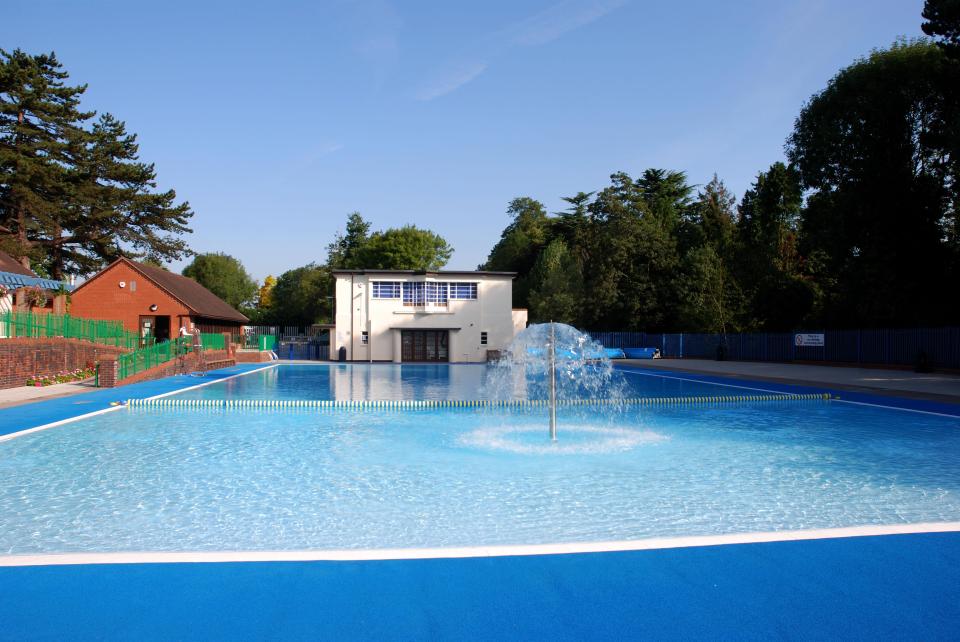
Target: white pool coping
(359, 555)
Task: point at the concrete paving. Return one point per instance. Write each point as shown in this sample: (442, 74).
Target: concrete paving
(28, 394)
(904, 383)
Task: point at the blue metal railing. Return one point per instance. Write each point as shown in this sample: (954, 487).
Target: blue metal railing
(884, 346)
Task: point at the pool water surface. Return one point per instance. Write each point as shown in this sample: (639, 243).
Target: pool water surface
(212, 479)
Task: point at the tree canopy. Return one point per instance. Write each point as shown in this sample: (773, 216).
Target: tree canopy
(225, 276)
(73, 193)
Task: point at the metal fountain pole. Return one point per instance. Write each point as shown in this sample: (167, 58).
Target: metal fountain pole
(553, 383)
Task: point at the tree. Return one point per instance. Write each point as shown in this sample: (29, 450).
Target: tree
(71, 197)
(346, 250)
(302, 296)
(265, 293)
(38, 111)
(712, 218)
(880, 148)
(405, 248)
(556, 285)
(767, 262)
(943, 22)
(520, 245)
(223, 275)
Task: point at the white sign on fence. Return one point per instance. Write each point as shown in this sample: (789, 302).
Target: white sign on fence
(808, 340)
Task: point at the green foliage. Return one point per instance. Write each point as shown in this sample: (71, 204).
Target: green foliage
(943, 22)
(223, 275)
(405, 248)
(74, 196)
(556, 285)
(302, 296)
(346, 250)
(880, 148)
(520, 244)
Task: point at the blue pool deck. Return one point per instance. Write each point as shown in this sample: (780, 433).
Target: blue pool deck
(886, 587)
(891, 587)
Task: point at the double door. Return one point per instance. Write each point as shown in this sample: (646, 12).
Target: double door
(424, 345)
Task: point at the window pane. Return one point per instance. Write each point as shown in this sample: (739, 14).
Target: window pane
(463, 290)
(413, 293)
(386, 289)
(436, 292)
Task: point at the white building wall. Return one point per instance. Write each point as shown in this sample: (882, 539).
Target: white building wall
(357, 311)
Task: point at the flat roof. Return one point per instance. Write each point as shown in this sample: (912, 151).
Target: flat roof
(428, 272)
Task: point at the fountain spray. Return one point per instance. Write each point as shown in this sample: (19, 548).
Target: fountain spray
(553, 383)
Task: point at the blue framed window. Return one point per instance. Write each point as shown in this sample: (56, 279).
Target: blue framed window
(436, 293)
(386, 289)
(463, 290)
(413, 293)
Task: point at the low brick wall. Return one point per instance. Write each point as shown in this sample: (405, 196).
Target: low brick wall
(253, 356)
(21, 358)
(191, 363)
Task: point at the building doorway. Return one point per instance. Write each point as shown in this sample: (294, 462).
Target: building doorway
(162, 331)
(155, 327)
(424, 345)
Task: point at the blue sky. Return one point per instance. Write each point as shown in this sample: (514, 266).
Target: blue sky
(275, 120)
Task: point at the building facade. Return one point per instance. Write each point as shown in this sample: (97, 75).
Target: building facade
(153, 301)
(409, 316)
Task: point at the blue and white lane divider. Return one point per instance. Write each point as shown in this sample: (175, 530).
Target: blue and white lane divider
(428, 404)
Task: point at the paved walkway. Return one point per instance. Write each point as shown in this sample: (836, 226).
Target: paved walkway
(28, 394)
(933, 386)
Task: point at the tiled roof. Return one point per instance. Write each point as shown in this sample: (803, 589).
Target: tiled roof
(11, 265)
(196, 297)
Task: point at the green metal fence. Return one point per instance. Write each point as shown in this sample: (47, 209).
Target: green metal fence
(267, 342)
(139, 360)
(28, 324)
(212, 341)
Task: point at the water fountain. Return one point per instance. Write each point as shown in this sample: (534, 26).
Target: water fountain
(555, 365)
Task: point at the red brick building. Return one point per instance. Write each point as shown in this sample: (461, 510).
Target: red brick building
(153, 301)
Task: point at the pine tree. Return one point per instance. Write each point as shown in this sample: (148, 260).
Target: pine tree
(38, 113)
(71, 197)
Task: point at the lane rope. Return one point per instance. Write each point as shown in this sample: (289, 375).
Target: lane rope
(429, 404)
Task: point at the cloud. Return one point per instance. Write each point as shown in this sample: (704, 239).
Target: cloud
(535, 30)
(320, 151)
(561, 18)
(454, 78)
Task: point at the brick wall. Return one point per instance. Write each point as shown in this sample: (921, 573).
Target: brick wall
(213, 359)
(23, 358)
(253, 356)
(103, 298)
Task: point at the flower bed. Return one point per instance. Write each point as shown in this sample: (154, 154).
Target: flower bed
(63, 377)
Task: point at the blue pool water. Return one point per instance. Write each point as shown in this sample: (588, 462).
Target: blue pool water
(168, 479)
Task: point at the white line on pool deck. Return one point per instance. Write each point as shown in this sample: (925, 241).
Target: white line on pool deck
(171, 557)
(798, 383)
(69, 420)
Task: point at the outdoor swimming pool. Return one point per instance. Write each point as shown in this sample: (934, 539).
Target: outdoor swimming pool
(210, 479)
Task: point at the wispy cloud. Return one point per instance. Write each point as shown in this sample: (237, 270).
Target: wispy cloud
(555, 21)
(320, 151)
(451, 80)
(539, 29)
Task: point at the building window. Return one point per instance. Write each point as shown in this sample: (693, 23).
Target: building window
(364, 337)
(463, 290)
(436, 293)
(483, 338)
(413, 293)
(386, 289)
(420, 294)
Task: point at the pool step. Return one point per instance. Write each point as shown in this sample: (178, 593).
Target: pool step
(427, 404)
